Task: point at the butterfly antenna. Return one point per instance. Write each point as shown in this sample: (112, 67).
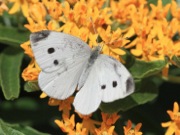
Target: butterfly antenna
(95, 31)
(93, 25)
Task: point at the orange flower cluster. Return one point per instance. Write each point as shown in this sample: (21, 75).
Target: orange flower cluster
(146, 32)
(88, 125)
(153, 30)
(82, 20)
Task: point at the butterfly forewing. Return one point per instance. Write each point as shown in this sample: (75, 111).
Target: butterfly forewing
(62, 58)
(53, 50)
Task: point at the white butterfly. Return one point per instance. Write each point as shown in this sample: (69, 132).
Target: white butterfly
(67, 62)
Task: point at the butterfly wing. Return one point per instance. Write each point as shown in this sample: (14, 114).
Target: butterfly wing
(107, 81)
(61, 58)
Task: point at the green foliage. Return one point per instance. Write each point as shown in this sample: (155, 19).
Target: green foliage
(176, 61)
(12, 36)
(142, 69)
(10, 63)
(17, 129)
(31, 86)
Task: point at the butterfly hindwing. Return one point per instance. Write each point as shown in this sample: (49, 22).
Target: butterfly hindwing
(61, 85)
(62, 58)
(107, 81)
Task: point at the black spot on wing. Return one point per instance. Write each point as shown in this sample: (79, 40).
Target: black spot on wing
(129, 85)
(103, 87)
(50, 50)
(37, 36)
(56, 62)
(114, 84)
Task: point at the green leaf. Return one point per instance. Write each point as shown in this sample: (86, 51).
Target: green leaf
(31, 86)
(173, 76)
(147, 92)
(13, 37)
(176, 61)
(155, 2)
(106, 4)
(10, 62)
(17, 129)
(129, 58)
(115, 25)
(30, 111)
(142, 69)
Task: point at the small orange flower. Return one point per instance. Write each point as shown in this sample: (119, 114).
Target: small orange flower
(27, 49)
(105, 131)
(64, 105)
(68, 126)
(113, 41)
(112, 38)
(106, 125)
(88, 123)
(159, 11)
(37, 12)
(174, 124)
(109, 119)
(31, 72)
(55, 10)
(129, 131)
(121, 10)
(21, 4)
(79, 130)
(36, 17)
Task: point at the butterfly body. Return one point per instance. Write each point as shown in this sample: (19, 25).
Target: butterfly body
(92, 58)
(67, 62)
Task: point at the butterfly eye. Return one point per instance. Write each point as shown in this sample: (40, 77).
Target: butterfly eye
(103, 87)
(114, 84)
(50, 50)
(56, 62)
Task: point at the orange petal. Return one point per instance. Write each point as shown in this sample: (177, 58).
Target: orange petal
(24, 7)
(138, 126)
(43, 95)
(136, 52)
(15, 8)
(176, 107)
(118, 51)
(166, 124)
(170, 130)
